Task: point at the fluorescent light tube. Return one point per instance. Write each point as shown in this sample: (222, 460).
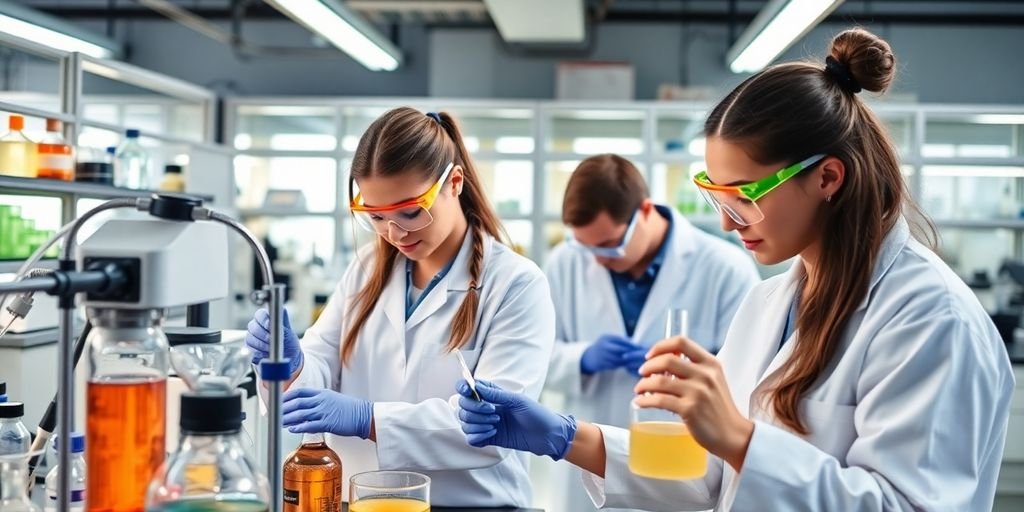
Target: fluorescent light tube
(345, 30)
(779, 24)
(39, 28)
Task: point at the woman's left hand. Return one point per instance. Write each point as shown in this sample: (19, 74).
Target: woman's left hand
(696, 390)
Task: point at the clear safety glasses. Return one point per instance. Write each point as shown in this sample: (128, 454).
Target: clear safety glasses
(411, 215)
(740, 201)
(616, 252)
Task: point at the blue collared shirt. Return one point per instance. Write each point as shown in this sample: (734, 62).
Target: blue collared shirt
(410, 304)
(790, 326)
(633, 293)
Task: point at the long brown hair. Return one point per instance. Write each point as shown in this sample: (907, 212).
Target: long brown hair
(405, 140)
(789, 112)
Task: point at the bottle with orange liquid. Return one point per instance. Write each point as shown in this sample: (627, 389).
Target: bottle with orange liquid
(312, 477)
(55, 156)
(126, 407)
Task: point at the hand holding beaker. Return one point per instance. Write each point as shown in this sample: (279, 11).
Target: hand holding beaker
(684, 378)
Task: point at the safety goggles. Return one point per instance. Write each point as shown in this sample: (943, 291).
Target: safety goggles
(740, 201)
(411, 215)
(617, 252)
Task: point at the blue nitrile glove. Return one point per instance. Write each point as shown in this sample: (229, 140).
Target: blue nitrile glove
(258, 340)
(312, 411)
(606, 354)
(511, 420)
(634, 360)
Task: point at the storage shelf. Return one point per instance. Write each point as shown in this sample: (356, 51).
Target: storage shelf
(45, 187)
(1017, 224)
(35, 112)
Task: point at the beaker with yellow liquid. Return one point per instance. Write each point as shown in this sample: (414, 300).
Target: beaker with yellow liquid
(389, 491)
(660, 445)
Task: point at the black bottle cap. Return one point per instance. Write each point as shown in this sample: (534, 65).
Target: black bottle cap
(173, 169)
(174, 206)
(187, 335)
(210, 414)
(12, 410)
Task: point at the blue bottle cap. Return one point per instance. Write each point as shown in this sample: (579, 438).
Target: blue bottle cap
(111, 150)
(131, 133)
(77, 442)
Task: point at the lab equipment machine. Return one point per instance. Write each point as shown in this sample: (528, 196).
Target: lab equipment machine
(127, 274)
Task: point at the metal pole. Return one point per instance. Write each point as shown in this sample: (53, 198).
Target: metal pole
(32, 284)
(274, 469)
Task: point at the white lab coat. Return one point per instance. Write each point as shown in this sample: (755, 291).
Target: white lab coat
(911, 416)
(707, 276)
(403, 368)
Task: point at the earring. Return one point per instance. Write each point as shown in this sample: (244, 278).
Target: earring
(828, 198)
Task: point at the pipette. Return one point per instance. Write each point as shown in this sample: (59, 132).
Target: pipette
(466, 374)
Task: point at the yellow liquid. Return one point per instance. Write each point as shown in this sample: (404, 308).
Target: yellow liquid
(389, 505)
(665, 450)
(18, 159)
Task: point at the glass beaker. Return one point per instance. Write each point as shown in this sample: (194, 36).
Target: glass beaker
(14, 483)
(210, 471)
(126, 406)
(660, 445)
(389, 491)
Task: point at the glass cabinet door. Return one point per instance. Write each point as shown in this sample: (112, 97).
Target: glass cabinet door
(594, 131)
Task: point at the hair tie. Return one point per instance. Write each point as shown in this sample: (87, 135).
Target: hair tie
(841, 73)
(435, 116)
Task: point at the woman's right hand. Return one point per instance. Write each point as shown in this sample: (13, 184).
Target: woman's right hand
(258, 340)
(512, 420)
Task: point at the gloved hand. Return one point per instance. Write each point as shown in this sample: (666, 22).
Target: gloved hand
(312, 411)
(634, 359)
(511, 420)
(606, 354)
(258, 340)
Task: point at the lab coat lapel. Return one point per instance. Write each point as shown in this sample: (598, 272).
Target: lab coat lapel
(766, 337)
(680, 252)
(457, 280)
(393, 300)
(600, 298)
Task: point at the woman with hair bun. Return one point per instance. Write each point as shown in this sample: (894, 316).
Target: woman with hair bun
(866, 378)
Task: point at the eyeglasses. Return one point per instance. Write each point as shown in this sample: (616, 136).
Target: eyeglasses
(617, 252)
(411, 215)
(740, 201)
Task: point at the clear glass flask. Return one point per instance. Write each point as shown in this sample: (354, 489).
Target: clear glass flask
(211, 470)
(76, 497)
(14, 483)
(389, 491)
(660, 445)
(126, 406)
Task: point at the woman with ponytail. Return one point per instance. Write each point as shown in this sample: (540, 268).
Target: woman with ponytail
(867, 378)
(378, 369)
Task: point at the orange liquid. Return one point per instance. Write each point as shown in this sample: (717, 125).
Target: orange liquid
(125, 434)
(389, 505)
(312, 480)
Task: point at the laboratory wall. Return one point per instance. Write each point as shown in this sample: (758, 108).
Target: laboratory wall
(936, 62)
